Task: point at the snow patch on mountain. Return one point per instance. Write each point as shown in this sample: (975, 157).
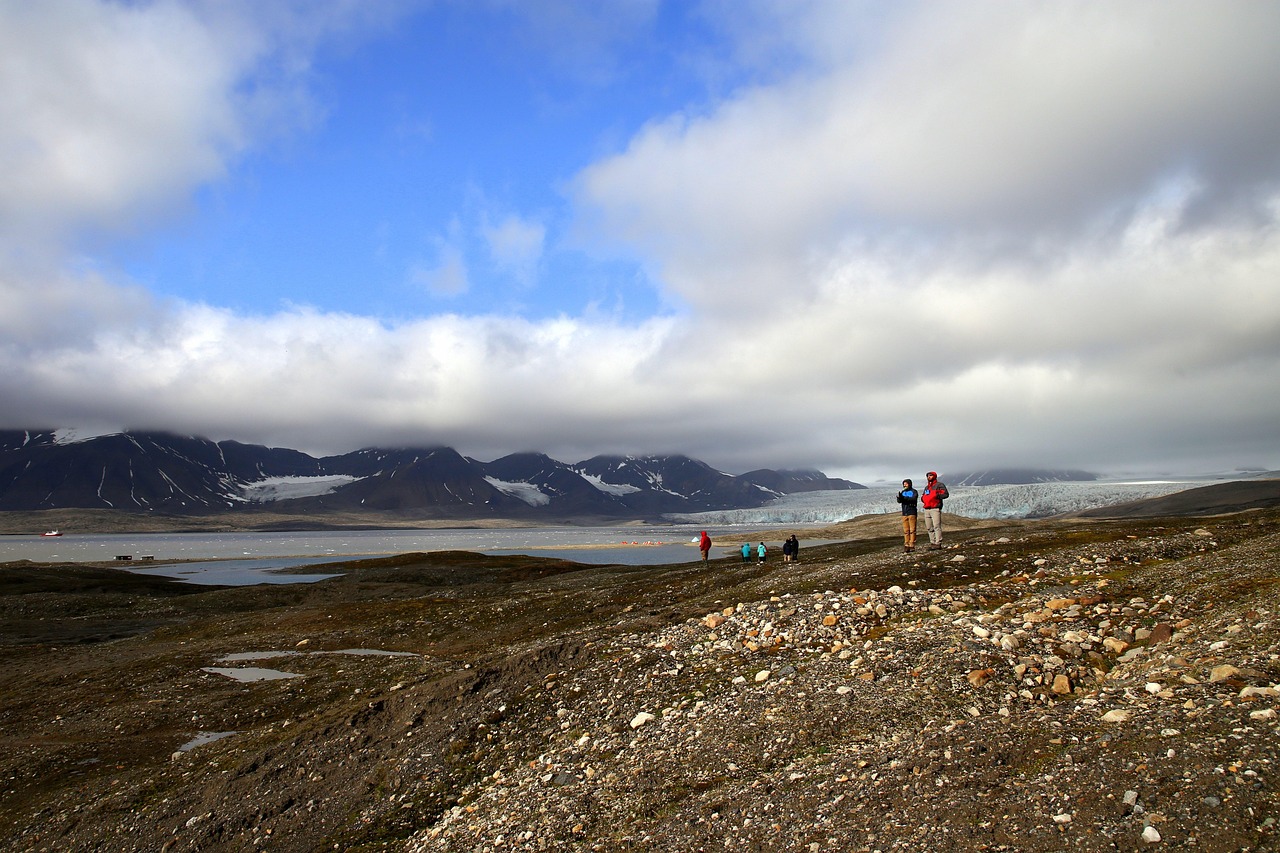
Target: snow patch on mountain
(76, 435)
(527, 492)
(286, 488)
(1036, 500)
(608, 488)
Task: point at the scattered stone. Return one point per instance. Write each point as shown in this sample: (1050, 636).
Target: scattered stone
(641, 719)
(1222, 672)
(980, 677)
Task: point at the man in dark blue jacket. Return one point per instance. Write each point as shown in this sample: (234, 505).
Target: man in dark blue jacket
(908, 497)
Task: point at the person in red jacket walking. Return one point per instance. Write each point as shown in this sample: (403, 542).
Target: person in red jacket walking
(704, 545)
(935, 492)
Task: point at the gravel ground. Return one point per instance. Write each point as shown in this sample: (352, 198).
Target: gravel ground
(1035, 686)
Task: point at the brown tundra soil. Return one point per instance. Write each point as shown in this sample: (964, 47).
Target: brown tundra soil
(1050, 685)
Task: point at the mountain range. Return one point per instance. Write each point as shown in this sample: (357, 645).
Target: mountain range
(182, 475)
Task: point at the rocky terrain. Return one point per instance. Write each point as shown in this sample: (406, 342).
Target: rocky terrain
(1054, 685)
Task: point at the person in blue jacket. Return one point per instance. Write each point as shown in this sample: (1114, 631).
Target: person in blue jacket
(746, 552)
(760, 551)
(909, 498)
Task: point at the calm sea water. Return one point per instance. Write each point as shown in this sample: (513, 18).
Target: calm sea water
(239, 558)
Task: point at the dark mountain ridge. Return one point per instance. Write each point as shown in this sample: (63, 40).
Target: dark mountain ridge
(153, 471)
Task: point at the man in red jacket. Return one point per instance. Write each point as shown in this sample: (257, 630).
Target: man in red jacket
(931, 499)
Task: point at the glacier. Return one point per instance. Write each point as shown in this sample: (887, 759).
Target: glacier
(285, 488)
(1035, 500)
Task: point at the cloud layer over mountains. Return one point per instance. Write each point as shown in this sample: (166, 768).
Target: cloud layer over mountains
(921, 236)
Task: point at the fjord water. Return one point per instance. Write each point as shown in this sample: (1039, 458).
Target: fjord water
(261, 552)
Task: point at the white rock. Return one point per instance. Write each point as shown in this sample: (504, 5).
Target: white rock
(1151, 835)
(763, 675)
(640, 719)
(1117, 716)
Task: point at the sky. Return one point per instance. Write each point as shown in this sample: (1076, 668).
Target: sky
(875, 239)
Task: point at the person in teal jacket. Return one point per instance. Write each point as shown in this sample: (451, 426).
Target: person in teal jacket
(746, 552)
(760, 552)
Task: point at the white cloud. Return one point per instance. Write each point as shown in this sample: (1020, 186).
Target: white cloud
(986, 118)
(1043, 234)
(516, 245)
(111, 113)
(448, 277)
(110, 110)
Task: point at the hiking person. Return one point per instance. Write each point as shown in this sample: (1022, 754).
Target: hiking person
(704, 545)
(935, 492)
(795, 548)
(746, 552)
(909, 498)
(760, 551)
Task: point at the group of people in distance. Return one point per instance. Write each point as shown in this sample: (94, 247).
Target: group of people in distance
(912, 501)
(935, 492)
(790, 549)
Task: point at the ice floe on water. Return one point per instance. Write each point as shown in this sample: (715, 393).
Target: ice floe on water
(1036, 500)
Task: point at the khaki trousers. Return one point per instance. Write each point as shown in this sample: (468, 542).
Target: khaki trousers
(933, 521)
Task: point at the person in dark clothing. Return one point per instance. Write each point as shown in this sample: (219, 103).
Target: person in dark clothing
(795, 548)
(909, 498)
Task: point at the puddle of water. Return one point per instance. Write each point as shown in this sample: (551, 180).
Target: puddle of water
(243, 656)
(258, 673)
(250, 673)
(202, 738)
